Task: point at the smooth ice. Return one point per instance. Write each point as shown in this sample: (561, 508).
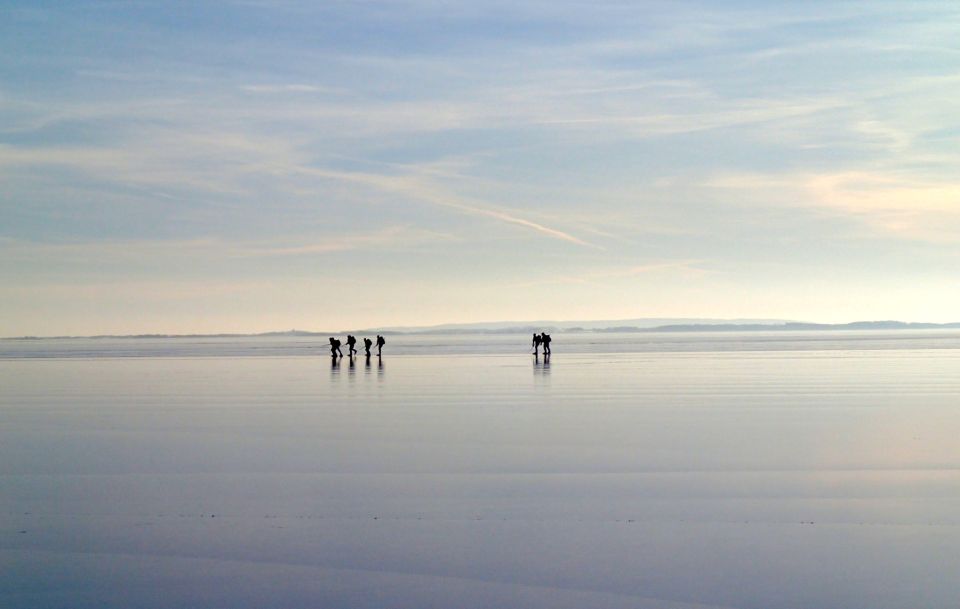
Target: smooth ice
(751, 471)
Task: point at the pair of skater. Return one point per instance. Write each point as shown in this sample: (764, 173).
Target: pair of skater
(541, 339)
(351, 342)
(367, 343)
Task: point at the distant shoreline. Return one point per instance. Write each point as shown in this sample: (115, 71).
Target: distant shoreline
(702, 327)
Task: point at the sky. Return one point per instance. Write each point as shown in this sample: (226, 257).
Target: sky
(248, 165)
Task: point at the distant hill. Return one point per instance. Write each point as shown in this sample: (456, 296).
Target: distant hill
(567, 326)
(603, 326)
(798, 326)
(662, 325)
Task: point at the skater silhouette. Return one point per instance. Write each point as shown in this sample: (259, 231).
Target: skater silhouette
(367, 343)
(335, 347)
(546, 344)
(380, 342)
(351, 341)
(536, 343)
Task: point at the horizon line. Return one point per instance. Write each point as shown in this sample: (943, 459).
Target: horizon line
(705, 324)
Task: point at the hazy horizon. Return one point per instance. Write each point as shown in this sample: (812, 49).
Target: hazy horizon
(646, 322)
(521, 326)
(246, 166)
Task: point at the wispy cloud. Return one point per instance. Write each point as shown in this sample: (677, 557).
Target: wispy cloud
(895, 205)
(387, 240)
(606, 274)
(291, 88)
(66, 266)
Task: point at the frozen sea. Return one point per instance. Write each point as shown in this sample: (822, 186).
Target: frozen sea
(795, 470)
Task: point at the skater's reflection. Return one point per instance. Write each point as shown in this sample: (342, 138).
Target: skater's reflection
(541, 365)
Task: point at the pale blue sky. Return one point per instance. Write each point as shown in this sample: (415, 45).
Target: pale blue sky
(255, 165)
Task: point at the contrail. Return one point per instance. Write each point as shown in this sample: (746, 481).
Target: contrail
(410, 186)
(499, 215)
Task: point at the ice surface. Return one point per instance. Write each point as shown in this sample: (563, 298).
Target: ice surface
(780, 476)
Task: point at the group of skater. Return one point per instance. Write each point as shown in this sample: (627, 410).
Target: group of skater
(541, 339)
(351, 344)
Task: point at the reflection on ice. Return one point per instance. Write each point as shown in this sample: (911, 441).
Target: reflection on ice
(541, 366)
